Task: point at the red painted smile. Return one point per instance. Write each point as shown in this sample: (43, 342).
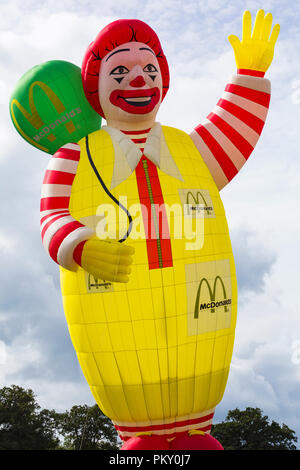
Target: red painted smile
(136, 101)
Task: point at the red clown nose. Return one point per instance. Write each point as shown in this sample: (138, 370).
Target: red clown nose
(138, 82)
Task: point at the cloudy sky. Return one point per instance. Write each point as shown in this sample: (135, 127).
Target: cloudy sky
(261, 202)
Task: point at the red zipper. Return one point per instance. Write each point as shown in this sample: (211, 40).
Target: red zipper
(154, 215)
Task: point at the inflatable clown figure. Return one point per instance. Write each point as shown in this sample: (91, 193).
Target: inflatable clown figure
(132, 214)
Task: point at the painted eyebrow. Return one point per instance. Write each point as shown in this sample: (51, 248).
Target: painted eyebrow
(146, 49)
(115, 52)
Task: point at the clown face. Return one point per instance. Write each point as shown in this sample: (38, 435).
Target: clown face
(130, 86)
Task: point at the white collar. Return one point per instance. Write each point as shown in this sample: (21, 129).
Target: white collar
(128, 154)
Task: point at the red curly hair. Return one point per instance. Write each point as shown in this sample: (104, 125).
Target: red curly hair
(113, 35)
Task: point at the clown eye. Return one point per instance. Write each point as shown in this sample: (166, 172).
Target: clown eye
(120, 70)
(150, 68)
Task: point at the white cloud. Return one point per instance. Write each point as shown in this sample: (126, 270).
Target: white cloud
(19, 355)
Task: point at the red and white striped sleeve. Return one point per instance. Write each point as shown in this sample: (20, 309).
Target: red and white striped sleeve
(227, 137)
(60, 232)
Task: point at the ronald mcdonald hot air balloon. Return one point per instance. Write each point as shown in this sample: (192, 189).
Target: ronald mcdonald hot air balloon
(132, 214)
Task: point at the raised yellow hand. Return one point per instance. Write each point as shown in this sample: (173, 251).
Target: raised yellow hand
(255, 52)
(108, 260)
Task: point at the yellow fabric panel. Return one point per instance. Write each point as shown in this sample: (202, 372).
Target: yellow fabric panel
(142, 350)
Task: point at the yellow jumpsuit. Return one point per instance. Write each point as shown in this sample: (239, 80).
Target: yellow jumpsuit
(156, 351)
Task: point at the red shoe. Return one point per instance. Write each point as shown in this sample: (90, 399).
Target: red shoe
(146, 442)
(195, 440)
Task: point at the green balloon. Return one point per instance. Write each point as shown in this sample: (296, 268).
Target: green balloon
(48, 106)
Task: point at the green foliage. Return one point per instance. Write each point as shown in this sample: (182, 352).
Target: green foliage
(22, 424)
(250, 430)
(87, 428)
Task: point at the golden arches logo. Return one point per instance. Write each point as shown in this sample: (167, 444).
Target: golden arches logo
(212, 294)
(33, 116)
(196, 199)
(94, 284)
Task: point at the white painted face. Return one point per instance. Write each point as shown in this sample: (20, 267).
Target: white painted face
(130, 84)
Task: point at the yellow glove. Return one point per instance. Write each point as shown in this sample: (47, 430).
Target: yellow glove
(255, 52)
(108, 260)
